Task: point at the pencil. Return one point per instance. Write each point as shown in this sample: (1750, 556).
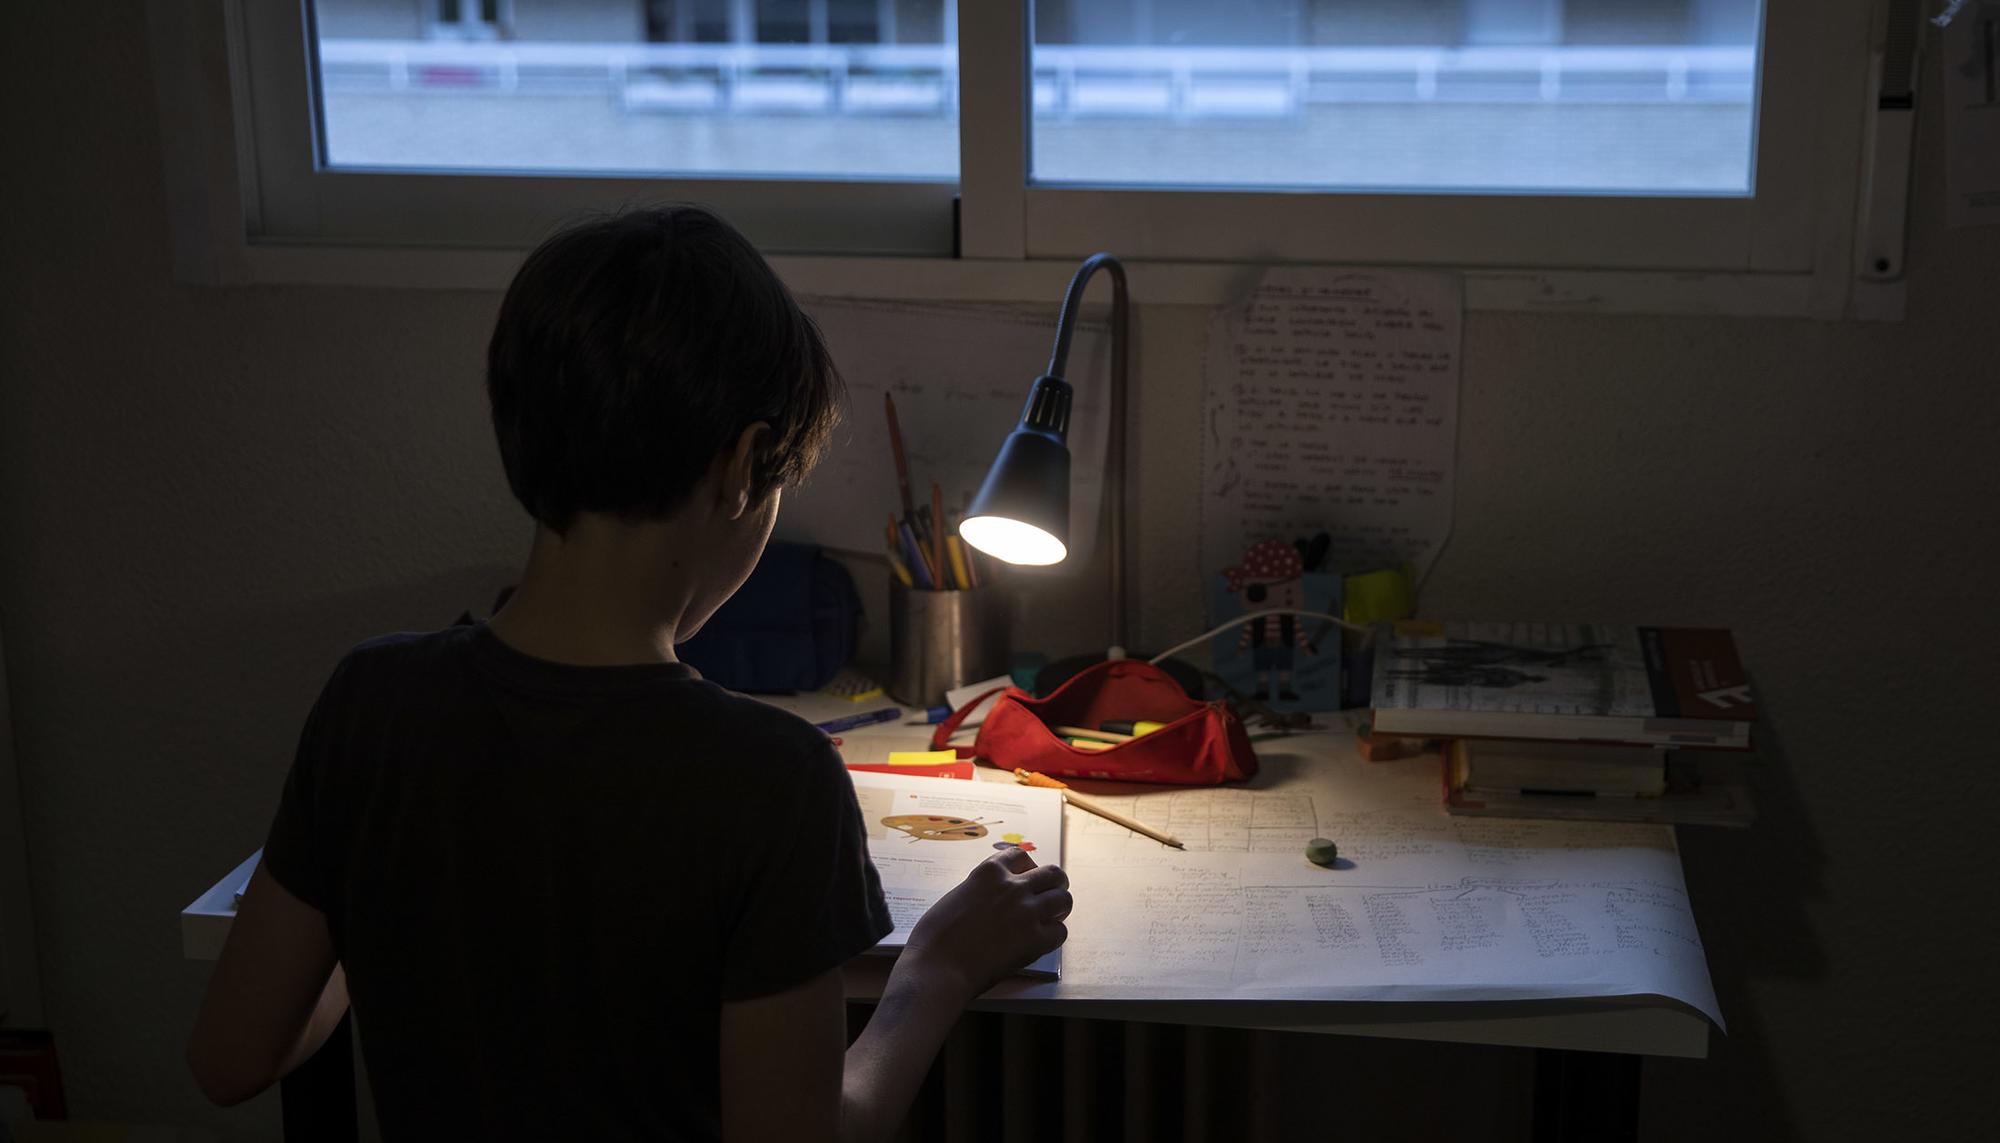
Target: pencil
(956, 551)
(902, 573)
(919, 564)
(937, 526)
(902, 461)
(1088, 806)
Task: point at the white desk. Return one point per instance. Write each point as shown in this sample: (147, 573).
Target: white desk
(1632, 1026)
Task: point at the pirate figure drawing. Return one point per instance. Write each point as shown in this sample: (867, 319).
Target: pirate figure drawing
(1272, 575)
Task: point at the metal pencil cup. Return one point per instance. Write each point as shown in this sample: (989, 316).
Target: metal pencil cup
(939, 640)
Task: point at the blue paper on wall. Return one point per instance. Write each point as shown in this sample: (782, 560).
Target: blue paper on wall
(1291, 662)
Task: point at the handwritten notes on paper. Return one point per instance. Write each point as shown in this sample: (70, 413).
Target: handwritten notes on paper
(1421, 906)
(1971, 92)
(959, 376)
(1608, 918)
(1331, 405)
(1206, 821)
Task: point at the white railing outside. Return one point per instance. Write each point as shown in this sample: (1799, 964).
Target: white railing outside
(1069, 81)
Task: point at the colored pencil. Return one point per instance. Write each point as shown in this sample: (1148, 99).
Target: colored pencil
(902, 461)
(937, 526)
(919, 564)
(1028, 778)
(956, 551)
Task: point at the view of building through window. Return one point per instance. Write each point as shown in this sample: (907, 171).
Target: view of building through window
(1626, 96)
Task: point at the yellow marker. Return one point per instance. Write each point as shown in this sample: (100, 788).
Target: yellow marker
(958, 572)
(1133, 727)
(922, 757)
(902, 573)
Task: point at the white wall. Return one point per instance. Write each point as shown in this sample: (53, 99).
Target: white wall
(206, 495)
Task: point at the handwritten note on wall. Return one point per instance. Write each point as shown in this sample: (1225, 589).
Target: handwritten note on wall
(1331, 405)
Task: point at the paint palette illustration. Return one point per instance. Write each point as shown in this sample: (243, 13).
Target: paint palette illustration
(937, 827)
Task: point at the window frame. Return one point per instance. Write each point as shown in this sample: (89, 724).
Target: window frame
(295, 200)
(1763, 231)
(249, 204)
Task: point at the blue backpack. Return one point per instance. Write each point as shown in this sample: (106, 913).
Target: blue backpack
(790, 627)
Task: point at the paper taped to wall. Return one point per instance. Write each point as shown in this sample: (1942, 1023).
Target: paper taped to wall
(1971, 93)
(960, 376)
(1331, 404)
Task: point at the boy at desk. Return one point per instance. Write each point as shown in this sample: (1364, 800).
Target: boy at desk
(572, 889)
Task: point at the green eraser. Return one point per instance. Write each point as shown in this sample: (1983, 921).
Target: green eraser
(1321, 851)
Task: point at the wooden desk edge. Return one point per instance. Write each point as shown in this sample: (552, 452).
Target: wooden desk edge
(1632, 1025)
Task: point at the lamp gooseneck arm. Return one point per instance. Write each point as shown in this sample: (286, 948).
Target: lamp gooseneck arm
(1073, 301)
(1115, 461)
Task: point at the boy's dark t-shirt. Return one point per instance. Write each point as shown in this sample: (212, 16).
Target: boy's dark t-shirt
(544, 880)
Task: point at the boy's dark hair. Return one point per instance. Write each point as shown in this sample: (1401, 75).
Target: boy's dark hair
(634, 348)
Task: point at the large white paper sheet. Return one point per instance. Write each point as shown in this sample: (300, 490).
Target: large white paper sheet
(1422, 905)
(1971, 94)
(960, 377)
(1331, 404)
(926, 834)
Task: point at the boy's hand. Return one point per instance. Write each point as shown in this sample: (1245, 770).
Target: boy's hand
(1007, 912)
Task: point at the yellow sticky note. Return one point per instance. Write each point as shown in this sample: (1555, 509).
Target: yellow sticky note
(922, 757)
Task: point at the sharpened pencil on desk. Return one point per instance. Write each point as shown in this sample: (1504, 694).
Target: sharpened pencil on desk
(1029, 778)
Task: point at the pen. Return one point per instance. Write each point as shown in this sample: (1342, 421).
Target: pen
(1086, 732)
(1029, 778)
(886, 714)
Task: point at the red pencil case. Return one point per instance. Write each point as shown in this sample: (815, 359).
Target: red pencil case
(1201, 743)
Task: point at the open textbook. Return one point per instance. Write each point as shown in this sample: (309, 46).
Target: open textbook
(926, 834)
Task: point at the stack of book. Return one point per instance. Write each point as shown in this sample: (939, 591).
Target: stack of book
(1575, 721)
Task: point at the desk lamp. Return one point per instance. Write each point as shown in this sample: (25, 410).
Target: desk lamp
(1021, 514)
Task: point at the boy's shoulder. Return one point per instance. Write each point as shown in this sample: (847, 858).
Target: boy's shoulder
(777, 744)
(400, 652)
(775, 739)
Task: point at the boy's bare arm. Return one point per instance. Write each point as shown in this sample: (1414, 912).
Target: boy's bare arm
(1004, 915)
(276, 995)
(780, 1057)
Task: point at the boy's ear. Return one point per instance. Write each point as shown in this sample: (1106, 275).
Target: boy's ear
(739, 469)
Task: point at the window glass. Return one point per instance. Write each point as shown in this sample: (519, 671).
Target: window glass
(824, 89)
(1564, 96)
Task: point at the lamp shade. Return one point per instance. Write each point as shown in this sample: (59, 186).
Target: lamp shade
(1021, 514)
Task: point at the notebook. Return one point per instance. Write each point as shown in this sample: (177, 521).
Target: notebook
(925, 834)
(1575, 682)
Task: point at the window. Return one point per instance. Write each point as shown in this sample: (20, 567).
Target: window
(1716, 136)
(778, 88)
(1521, 96)
(469, 19)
